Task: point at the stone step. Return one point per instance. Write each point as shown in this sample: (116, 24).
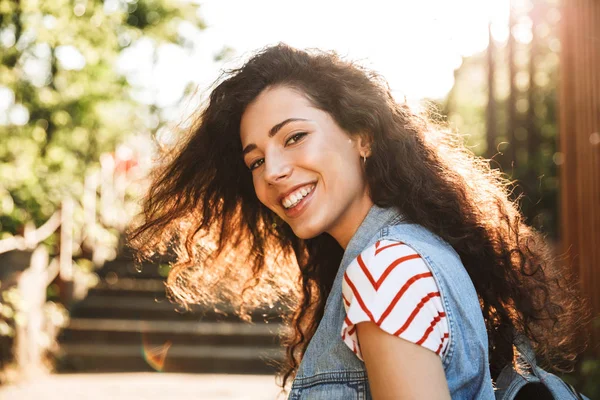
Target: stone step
(115, 306)
(156, 333)
(126, 322)
(92, 357)
(128, 269)
(125, 254)
(131, 287)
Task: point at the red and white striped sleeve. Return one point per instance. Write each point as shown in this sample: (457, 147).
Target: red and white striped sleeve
(389, 284)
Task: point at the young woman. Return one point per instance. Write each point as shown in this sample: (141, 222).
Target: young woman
(411, 270)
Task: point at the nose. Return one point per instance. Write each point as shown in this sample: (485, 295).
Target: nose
(277, 168)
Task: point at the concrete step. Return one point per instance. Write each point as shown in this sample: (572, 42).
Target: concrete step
(125, 254)
(126, 323)
(112, 305)
(156, 333)
(177, 358)
(120, 292)
(131, 287)
(103, 345)
(127, 269)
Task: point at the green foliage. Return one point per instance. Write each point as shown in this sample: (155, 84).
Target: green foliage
(535, 172)
(535, 168)
(7, 312)
(164, 269)
(590, 376)
(62, 103)
(586, 377)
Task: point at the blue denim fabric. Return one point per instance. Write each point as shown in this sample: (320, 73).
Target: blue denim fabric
(510, 382)
(329, 369)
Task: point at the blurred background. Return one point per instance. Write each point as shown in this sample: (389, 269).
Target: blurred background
(89, 88)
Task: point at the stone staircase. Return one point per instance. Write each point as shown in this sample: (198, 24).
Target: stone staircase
(127, 324)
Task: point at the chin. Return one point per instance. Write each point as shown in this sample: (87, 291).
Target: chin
(306, 233)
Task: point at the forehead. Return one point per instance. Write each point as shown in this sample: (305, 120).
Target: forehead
(271, 107)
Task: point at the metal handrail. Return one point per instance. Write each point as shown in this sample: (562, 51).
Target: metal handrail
(31, 239)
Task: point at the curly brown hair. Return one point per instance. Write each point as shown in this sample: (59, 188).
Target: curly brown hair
(201, 202)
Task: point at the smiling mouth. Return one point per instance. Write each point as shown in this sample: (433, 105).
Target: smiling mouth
(295, 198)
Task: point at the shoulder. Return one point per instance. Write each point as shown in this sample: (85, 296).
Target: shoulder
(385, 262)
(389, 284)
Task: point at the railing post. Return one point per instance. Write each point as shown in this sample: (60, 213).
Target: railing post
(107, 189)
(89, 212)
(66, 251)
(29, 348)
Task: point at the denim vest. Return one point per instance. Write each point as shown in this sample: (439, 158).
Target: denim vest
(329, 370)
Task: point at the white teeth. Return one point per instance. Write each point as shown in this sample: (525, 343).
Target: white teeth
(294, 198)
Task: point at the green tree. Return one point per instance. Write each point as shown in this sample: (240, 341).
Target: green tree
(526, 137)
(533, 129)
(62, 101)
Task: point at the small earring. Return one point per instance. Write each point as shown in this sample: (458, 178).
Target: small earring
(364, 159)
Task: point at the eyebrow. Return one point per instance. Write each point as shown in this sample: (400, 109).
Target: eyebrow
(272, 132)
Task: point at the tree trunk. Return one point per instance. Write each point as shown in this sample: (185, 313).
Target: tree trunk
(491, 106)
(512, 97)
(579, 140)
(533, 138)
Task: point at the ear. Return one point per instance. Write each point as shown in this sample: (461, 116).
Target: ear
(364, 145)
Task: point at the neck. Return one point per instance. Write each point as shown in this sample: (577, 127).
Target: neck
(351, 220)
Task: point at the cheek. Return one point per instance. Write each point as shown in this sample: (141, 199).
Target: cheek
(322, 156)
(338, 164)
(260, 188)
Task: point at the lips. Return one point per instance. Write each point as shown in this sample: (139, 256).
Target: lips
(300, 207)
(293, 189)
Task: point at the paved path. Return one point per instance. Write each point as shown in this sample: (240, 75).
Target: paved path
(146, 386)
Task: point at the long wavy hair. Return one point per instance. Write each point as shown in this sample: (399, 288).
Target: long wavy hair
(231, 249)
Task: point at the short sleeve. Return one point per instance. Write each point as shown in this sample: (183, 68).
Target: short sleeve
(391, 285)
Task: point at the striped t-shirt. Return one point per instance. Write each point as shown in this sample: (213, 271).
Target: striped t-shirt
(390, 285)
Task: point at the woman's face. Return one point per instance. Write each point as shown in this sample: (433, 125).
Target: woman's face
(305, 168)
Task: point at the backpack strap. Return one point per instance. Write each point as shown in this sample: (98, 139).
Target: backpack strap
(525, 351)
(510, 382)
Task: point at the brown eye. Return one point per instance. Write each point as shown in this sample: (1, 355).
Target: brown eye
(295, 138)
(256, 164)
